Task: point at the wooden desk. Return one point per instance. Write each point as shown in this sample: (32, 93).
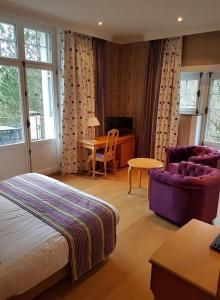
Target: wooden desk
(185, 268)
(124, 151)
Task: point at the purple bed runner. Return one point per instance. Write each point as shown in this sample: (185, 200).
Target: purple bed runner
(88, 225)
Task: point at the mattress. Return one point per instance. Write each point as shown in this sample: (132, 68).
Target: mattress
(27, 243)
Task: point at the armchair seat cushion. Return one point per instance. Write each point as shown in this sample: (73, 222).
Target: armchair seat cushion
(173, 168)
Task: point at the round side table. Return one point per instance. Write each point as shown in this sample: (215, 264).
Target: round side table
(142, 164)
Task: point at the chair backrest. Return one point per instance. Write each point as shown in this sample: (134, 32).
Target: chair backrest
(111, 142)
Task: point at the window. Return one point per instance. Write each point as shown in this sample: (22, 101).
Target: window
(40, 95)
(37, 45)
(8, 42)
(200, 94)
(212, 130)
(189, 87)
(26, 70)
(11, 128)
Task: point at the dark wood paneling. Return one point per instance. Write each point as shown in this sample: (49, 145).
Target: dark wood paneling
(126, 67)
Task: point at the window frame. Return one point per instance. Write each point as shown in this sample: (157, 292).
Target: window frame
(187, 75)
(51, 40)
(214, 75)
(23, 64)
(16, 40)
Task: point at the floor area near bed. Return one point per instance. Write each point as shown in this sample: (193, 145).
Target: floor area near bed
(126, 274)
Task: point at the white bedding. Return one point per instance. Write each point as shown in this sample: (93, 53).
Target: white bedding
(30, 250)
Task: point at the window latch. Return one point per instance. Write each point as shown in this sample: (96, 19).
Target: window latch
(206, 110)
(28, 124)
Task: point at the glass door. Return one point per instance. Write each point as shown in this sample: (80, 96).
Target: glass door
(14, 157)
(29, 134)
(41, 94)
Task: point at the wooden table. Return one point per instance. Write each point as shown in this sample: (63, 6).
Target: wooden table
(142, 164)
(185, 267)
(124, 151)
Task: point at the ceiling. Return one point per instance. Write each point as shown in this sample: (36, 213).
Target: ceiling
(129, 20)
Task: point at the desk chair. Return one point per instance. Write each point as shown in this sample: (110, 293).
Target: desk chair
(109, 152)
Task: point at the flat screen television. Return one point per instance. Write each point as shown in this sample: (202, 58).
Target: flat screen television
(123, 124)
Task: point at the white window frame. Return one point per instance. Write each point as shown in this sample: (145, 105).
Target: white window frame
(214, 75)
(204, 95)
(20, 25)
(192, 76)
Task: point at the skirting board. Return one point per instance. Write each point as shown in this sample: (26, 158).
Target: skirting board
(48, 171)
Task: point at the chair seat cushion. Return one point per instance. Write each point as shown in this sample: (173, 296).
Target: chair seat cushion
(98, 155)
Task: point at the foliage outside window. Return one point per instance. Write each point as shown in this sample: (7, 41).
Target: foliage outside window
(37, 45)
(10, 106)
(213, 117)
(8, 41)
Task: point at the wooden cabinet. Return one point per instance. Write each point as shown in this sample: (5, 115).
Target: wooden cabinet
(185, 267)
(125, 149)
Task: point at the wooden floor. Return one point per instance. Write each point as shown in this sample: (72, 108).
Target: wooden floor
(126, 274)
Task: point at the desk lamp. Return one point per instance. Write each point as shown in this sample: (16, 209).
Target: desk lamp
(92, 122)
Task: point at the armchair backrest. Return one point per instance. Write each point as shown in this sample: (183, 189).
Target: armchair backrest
(201, 150)
(198, 154)
(177, 154)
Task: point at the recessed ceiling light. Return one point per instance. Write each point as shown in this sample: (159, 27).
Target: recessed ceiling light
(180, 19)
(100, 23)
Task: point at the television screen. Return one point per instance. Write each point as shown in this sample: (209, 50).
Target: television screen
(123, 124)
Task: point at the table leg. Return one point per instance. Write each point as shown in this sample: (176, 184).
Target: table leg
(139, 171)
(93, 162)
(129, 178)
(147, 177)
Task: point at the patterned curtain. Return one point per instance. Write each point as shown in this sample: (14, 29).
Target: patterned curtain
(78, 96)
(168, 107)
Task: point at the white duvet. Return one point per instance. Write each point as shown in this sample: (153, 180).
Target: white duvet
(30, 250)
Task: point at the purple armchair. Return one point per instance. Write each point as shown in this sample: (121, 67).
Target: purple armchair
(197, 154)
(192, 193)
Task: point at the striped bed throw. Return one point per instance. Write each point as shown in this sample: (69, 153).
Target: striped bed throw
(88, 225)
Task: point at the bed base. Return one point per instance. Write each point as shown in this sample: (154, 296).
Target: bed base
(52, 280)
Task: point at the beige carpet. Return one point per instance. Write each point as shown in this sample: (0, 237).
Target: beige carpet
(126, 274)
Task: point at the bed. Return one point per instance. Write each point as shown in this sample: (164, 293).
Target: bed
(33, 248)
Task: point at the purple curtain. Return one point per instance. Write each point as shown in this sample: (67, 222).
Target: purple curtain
(150, 104)
(99, 52)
